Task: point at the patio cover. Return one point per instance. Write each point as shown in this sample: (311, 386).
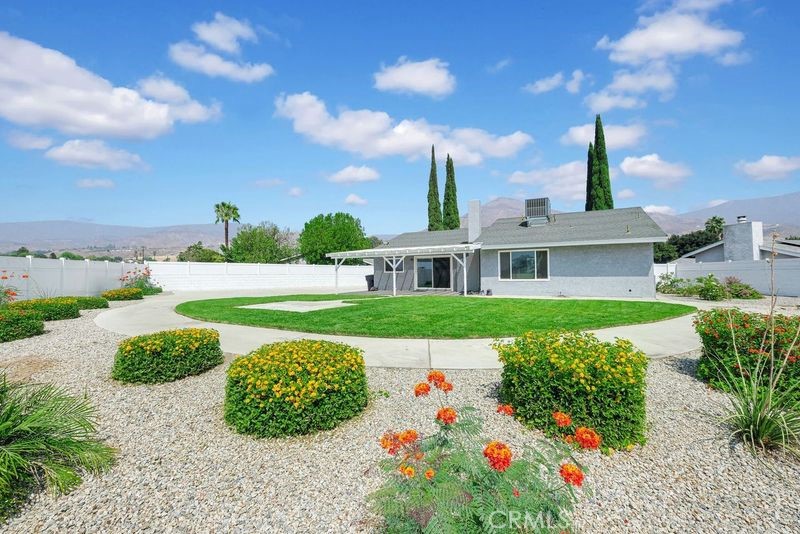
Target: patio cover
(394, 255)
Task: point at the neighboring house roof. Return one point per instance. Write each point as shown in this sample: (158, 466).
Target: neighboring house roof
(787, 250)
(694, 253)
(426, 239)
(792, 242)
(625, 225)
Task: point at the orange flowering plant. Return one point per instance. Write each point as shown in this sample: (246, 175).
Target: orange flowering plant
(8, 292)
(454, 480)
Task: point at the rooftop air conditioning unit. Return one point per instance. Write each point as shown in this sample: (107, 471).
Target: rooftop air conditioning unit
(537, 211)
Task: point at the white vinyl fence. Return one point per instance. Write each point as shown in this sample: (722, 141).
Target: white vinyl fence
(756, 273)
(663, 268)
(189, 276)
(44, 277)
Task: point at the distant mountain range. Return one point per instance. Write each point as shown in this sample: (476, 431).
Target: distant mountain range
(779, 213)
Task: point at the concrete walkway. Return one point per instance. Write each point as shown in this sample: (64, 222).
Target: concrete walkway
(156, 313)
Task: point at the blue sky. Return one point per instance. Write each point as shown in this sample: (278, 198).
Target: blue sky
(149, 113)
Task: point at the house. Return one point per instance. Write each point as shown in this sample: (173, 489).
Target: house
(744, 241)
(605, 253)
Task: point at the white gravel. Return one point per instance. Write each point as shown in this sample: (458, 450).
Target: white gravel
(181, 469)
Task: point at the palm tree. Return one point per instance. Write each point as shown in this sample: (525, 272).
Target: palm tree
(225, 212)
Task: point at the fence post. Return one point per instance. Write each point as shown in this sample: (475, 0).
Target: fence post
(61, 278)
(105, 280)
(121, 272)
(28, 280)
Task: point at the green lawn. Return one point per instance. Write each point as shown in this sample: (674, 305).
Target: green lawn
(434, 316)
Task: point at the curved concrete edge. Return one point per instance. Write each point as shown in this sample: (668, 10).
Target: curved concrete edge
(657, 340)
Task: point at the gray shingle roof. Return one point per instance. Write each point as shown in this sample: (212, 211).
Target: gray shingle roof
(425, 239)
(781, 248)
(578, 227)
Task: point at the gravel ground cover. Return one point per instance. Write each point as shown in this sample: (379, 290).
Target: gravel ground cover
(180, 469)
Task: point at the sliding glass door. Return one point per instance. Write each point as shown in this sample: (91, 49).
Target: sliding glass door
(433, 273)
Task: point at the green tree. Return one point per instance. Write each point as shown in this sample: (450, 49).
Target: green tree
(265, 243)
(589, 177)
(434, 207)
(197, 252)
(599, 196)
(691, 241)
(714, 226)
(334, 232)
(67, 255)
(226, 212)
(450, 216)
(664, 253)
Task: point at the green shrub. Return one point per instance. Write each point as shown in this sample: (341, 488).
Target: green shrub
(91, 303)
(47, 440)
(601, 385)
(167, 356)
(723, 332)
(52, 309)
(123, 293)
(736, 289)
(140, 278)
(295, 387)
(710, 288)
(669, 284)
(20, 323)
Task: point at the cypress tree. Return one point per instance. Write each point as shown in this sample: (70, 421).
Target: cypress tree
(589, 177)
(602, 178)
(434, 207)
(451, 219)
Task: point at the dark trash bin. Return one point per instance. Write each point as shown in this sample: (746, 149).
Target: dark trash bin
(370, 282)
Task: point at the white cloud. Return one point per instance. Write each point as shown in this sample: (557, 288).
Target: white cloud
(355, 200)
(661, 210)
(769, 167)
(268, 182)
(94, 153)
(655, 76)
(295, 192)
(565, 182)
(734, 58)
(352, 174)
(181, 105)
(197, 58)
(373, 134)
(652, 167)
(624, 194)
(500, 65)
(603, 101)
(673, 33)
(429, 77)
(28, 141)
(42, 87)
(715, 203)
(224, 33)
(616, 135)
(574, 84)
(95, 183)
(545, 85)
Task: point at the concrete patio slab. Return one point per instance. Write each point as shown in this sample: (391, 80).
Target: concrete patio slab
(300, 306)
(657, 340)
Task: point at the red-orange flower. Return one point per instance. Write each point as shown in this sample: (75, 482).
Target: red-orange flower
(3, 277)
(447, 387)
(571, 474)
(447, 415)
(421, 389)
(562, 419)
(587, 438)
(505, 409)
(407, 436)
(409, 471)
(419, 456)
(24, 276)
(498, 454)
(436, 378)
(429, 473)
(516, 492)
(391, 443)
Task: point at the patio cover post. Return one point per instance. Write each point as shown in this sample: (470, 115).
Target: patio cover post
(394, 276)
(464, 255)
(336, 265)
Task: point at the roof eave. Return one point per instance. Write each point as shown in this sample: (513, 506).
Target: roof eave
(542, 244)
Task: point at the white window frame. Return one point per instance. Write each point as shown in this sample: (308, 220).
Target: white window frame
(416, 287)
(510, 270)
(387, 263)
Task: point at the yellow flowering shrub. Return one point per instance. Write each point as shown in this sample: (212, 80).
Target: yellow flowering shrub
(123, 293)
(167, 356)
(52, 309)
(295, 387)
(601, 385)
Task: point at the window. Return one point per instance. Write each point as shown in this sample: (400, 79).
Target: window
(524, 265)
(387, 266)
